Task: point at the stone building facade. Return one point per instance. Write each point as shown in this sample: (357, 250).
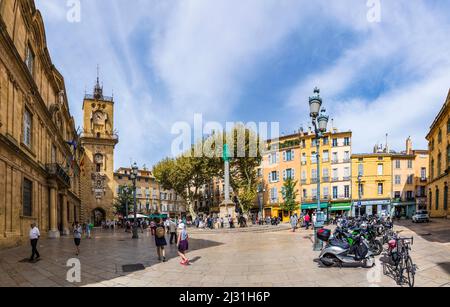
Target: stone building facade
(39, 156)
(439, 148)
(151, 198)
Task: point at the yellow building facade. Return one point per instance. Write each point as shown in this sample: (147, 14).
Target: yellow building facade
(372, 183)
(439, 148)
(39, 161)
(294, 156)
(393, 182)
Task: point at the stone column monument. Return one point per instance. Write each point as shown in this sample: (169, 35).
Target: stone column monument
(227, 207)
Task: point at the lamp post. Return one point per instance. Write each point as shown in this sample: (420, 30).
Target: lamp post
(320, 123)
(126, 190)
(133, 176)
(359, 195)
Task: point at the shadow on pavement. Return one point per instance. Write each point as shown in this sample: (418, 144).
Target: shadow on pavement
(445, 266)
(436, 231)
(105, 257)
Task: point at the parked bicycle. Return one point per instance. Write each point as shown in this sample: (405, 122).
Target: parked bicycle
(403, 268)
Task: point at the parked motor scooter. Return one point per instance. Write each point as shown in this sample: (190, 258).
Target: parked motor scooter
(339, 251)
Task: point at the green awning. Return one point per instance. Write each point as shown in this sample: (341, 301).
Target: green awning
(341, 207)
(158, 216)
(314, 206)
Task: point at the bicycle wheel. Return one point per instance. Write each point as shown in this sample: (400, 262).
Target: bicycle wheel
(400, 272)
(410, 272)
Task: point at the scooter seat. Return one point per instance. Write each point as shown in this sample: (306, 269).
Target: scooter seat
(339, 243)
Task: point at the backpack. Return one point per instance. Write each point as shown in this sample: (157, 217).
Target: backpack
(160, 232)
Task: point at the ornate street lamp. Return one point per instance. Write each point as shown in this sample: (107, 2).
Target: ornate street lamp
(315, 103)
(320, 123)
(126, 190)
(133, 177)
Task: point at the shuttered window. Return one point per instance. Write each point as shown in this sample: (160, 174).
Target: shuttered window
(27, 198)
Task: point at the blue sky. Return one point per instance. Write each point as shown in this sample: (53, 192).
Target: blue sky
(255, 60)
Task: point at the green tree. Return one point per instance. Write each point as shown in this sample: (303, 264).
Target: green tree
(125, 195)
(186, 175)
(289, 193)
(247, 158)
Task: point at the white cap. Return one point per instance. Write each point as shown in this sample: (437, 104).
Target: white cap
(181, 226)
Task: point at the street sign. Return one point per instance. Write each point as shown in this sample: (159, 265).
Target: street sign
(359, 204)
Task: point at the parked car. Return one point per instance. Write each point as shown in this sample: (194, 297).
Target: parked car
(421, 216)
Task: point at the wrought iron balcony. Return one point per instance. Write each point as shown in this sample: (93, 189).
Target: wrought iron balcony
(103, 98)
(55, 171)
(326, 179)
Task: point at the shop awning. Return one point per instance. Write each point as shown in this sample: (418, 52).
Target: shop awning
(158, 216)
(402, 204)
(341, 207)
(314, 206)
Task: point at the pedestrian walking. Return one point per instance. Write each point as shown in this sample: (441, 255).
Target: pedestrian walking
(314, 220)
(35, 234)
(153, 227)
(231, 222)
(307, 221)
(77, 232)
(173, 232)
(294, 222)
(160, 241)
(183, 244)
(88, 230)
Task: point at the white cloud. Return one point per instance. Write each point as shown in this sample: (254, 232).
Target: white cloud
(167, 60)
(414, 39)
(204, 48)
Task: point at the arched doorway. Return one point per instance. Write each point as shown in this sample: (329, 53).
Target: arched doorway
(98, 216)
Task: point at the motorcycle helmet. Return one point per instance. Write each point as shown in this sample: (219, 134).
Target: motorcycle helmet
(363, 226)
(392, 244)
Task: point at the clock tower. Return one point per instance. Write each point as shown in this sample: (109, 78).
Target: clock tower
(97, 170)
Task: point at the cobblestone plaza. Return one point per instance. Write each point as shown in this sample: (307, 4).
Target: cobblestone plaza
(257, 257)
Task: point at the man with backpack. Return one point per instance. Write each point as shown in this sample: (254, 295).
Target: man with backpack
(160, 241)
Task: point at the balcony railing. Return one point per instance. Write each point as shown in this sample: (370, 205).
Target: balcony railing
(334, 161)
(104, 98)
(113, 136)
(326, 179)
(335, 179)
(57, 172)
(347, 178)
(313, 180)
(303, 181)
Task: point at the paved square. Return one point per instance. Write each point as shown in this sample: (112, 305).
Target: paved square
(253, 258)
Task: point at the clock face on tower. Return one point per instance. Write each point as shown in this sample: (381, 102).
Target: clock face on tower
(99, 118)
(98, 159)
